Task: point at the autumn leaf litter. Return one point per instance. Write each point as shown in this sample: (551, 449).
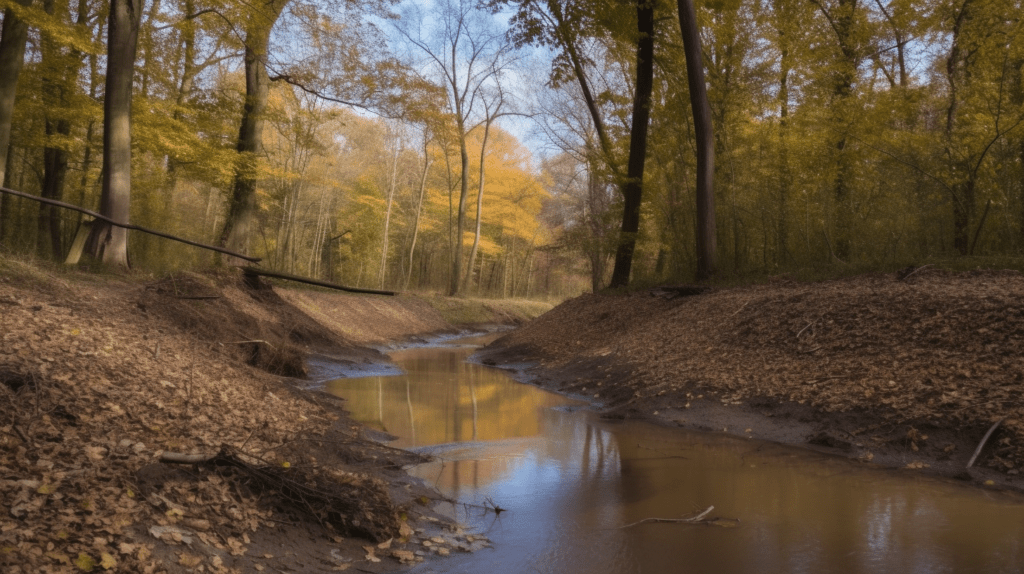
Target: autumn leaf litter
(873, 361)
(97, 381)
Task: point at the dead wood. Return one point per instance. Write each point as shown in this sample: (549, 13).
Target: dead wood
(360, 508)
(698, 519)
(252, 274)
(907, 273)
(984, 440)
(674, 291)
(127, 225)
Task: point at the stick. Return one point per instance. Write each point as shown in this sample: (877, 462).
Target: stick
(984, 440)
(805, 328)
(908, 275)
(198, 297)
(127, 225)
(740, 309)
(691, 520)
(254, 341)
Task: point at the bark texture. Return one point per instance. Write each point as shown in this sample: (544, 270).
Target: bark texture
(706, 242)
(107, 242)
(238, 225)
(632, 190)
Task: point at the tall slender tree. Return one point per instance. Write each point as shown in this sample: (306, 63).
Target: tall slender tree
(706, 242)
(467, 55)
(632, 189)
(242, 205)
(13, 38)
(107, 242)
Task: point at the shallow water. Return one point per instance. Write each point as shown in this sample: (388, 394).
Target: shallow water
(572, 483)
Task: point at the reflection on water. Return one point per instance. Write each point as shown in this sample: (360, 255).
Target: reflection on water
(572, 481)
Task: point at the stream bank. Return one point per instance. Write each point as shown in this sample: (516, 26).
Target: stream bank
(100, 375)
(899, 374)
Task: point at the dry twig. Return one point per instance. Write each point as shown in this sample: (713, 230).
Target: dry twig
(691, 520)
(984, 440)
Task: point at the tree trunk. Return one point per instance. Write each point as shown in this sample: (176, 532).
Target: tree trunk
(55, 169)
(706, 232)
(188, 74)
(843, 22)
(479, 205)
(632, 190)
(461, 217)
(12, 58)
(963, 213)
(419, 210)
(238, 226)
(107, 242)
(382, 274)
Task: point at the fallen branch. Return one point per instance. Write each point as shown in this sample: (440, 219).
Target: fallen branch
(252, 272)
(488, 506)
(692, 520)
(984, 440)
(254, 341)
(356, 509)
(198, 297)
(905, 274)
(801, 332)
(127, 225)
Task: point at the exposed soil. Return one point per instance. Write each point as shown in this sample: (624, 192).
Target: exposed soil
(101, 376)
(900, 373)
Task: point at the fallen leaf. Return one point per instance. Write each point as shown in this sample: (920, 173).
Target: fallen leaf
(85, 562)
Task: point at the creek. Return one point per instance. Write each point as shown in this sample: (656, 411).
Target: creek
(572, 482)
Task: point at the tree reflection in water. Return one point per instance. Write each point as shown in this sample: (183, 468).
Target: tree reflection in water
(570, 481)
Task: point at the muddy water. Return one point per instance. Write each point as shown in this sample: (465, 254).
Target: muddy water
(572, 484)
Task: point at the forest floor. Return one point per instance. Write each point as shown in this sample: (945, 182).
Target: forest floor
(906, 374)
(101, 375)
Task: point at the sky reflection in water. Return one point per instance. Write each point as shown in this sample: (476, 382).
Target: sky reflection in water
(571, 481)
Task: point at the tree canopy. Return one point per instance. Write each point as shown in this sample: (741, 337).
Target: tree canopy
(383, 144)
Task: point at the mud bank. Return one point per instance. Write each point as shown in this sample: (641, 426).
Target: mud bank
(904, 375)
(100, 376)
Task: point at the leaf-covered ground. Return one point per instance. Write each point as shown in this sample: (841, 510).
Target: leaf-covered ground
(922, 366)
(99, 376)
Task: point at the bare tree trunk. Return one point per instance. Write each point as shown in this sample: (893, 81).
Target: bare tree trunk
(382, 274)
(419, 210)
(461, 217)
(107, 242)
(706, 233)
(781, 225)
(632, 190)
(479, 203)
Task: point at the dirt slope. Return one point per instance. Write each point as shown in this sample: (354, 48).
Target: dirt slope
(99, 376)
(907, 373)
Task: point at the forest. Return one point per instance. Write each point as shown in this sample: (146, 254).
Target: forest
(515, 148)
